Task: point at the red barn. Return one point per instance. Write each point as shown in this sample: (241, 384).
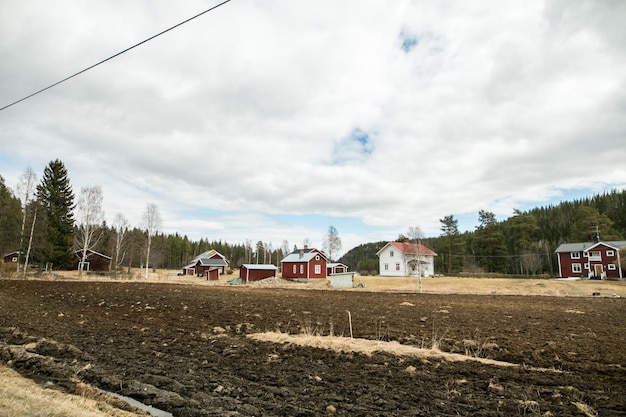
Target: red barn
(599, 260)
(304, 264)
(256, 272)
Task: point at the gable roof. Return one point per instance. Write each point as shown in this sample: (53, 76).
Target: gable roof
(303, 255)
(409, 248)
(206, 255)
(211, 262)
(584, 246)
(268, 267)
(91, 252)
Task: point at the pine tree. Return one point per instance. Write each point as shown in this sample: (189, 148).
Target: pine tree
(10, 215)
(57, 199)
(453, 242)
(489, 243)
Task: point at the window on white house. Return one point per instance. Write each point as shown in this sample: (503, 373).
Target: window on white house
(576, 268)
(611, 267)
(610, 253)
(575, 255)
(391, 253)
(318, 269)
(386, 267)
(397, 266)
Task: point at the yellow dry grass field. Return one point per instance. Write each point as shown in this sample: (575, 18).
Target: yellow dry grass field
(439, 285)
(22, 397)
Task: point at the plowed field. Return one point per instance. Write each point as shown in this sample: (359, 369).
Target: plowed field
(185, 349)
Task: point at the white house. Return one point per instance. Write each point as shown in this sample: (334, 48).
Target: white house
(401, 259)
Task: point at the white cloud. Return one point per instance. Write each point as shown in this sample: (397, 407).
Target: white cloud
(262, 108)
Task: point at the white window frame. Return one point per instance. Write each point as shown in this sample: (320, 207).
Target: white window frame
(595, 255)
(610, 253)
(587, 266)
(317, 258)
(294, 268)
(611, 267)
(302, 269)
(575, 255)
(576, 268)
(318, 269)
(397, 266)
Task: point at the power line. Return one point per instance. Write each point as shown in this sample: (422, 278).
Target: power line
(116, 55)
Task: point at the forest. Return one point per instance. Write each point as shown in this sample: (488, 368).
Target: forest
(46, 223)
(523, 244)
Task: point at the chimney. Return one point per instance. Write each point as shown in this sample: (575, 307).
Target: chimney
(306, 247)
(302, 252)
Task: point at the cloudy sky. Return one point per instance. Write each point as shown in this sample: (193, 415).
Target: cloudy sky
(270, 120)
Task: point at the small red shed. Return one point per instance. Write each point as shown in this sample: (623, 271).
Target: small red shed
(256, 272)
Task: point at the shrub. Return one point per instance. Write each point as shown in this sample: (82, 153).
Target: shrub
(364, 272)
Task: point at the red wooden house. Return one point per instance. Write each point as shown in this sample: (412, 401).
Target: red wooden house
(95, 261)
(598, 260)
(207, 261)
(11, 257)
(304, 264)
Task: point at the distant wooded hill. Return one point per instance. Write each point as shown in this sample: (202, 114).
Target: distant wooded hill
(522, 244)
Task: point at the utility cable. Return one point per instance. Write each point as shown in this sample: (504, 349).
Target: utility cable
(115, 56)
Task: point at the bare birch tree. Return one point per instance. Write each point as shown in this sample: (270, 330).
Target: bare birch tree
(152, 223)
(89, 216)
(332, 243)
(25, 192)
(415, 236)
(30, 241)
(120, 226)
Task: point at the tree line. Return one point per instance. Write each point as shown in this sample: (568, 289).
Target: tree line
(50, 227)
(523, 244)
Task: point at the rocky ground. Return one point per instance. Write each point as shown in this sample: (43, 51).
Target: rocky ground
(184, 349)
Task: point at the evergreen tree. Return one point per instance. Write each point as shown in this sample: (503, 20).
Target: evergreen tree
(453, 242)
(57, 199)
(489, 243)
(10, 218)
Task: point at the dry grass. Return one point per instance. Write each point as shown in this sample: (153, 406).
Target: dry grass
(21, 397)
(496, 286)
(368, 347)
(443, 285)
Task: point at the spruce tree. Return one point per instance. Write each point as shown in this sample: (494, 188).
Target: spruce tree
(10, 212)
(56, 197)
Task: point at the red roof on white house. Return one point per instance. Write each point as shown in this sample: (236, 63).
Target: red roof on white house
(411, 248)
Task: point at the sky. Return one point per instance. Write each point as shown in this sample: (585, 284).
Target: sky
(269, 120)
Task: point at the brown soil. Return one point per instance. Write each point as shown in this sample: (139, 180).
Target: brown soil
(184, 349)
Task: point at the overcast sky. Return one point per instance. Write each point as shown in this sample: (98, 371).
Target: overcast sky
(270, 120)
